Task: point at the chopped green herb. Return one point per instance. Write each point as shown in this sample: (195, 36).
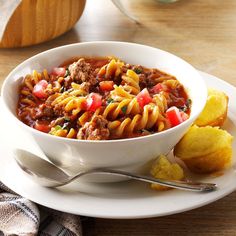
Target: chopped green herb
(110, 100)
(67, 73)
(187, 105)
(124, 109)
(188, 102)
(57, 127)
(183, 108)
(138, 70)
(62, 89)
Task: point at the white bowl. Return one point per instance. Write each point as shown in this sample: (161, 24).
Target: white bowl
(134, 154)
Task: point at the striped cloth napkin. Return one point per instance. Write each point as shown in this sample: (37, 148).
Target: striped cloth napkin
(19, 216)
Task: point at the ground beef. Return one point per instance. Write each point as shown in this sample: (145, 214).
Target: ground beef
(67, 82)
(96, 129)
(81, 71)
(43, 111)
(142, 81)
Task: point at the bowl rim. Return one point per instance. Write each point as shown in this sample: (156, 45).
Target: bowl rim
(139, 138)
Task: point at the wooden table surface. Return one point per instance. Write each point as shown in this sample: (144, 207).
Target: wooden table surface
(203, 33)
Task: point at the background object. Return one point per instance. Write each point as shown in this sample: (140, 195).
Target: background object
(37, 21)
(122, 8)
(167, 1)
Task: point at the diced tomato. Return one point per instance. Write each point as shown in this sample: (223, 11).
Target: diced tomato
(106, 85)
(157, 88)
(58, 71)
(39, 89)
(42, 127)
(174, 116)
(144, 97)
(94, 101)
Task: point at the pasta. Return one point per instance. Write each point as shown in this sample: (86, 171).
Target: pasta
(131, 82)
(110, 70)
(118, 94)
(127, 106)
(146, 120)
(102, 98)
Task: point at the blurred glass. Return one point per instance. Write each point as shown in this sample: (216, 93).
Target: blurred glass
(121, 7)
(167, 1)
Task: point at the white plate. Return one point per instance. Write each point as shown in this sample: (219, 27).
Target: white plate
(120, 200)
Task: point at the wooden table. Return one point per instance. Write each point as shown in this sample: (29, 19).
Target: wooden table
(200, 31)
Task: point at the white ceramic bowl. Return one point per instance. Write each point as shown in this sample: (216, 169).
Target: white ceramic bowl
(128, 154)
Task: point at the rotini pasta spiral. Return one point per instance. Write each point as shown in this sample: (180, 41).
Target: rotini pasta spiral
(126, 106)
(31, 80)
(26, 91)
(171, 83)
(118, 94)
(87, 116)
(131, 82)
(58, 131)
(69, 103)
(160, 100)
(112, 69)
(78, 90)
(148, 119)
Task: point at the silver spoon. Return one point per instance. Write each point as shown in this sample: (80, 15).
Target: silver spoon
(47, 174)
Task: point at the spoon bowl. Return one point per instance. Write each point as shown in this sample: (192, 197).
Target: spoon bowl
(43, 172)
(47, 174)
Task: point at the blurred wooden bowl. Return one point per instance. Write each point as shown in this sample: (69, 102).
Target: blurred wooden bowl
(41, 20)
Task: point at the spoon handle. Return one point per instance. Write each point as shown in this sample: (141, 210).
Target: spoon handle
(184, 185)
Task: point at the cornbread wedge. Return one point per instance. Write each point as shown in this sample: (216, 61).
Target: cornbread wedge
(215, 110)
(205, 149)
(164, 169)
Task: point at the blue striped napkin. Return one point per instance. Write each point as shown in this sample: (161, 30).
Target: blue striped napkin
(19, 216)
